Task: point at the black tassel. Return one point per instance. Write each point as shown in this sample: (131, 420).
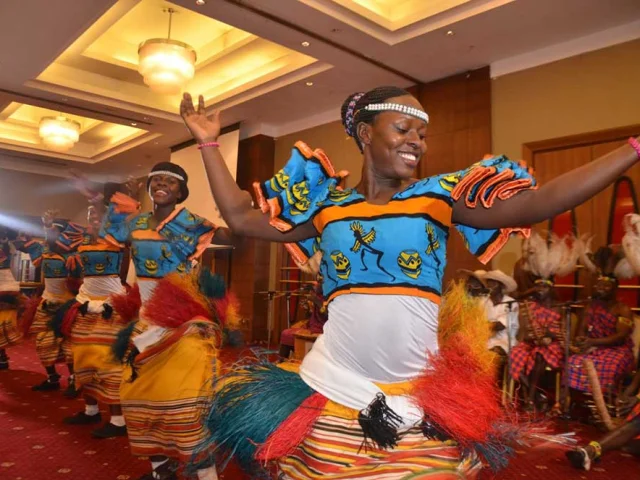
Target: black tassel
(56, 321)
(121, 344)
(432, 432)
(84, 308)
(379, 424)
(131, 360)
(107, 311)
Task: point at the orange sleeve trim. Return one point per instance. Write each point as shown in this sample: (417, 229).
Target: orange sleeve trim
(37, 261)
(171, 216)
(110, 239)
(318, 154)
(488, 199)
(29, 243)
(262, 201)
(124, 203)
(146, 235)
(413, 292)
(203, 242)
(499, 242)
(296, 253)
(100, 246)
(474, 177)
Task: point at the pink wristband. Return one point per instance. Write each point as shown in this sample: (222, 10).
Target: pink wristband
(208, 144)
(635, 144)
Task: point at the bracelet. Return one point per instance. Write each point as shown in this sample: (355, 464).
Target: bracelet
(216, 144)
(635, 144)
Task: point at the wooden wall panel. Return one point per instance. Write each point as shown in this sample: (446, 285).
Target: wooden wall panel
(459, 134)
(250, 261)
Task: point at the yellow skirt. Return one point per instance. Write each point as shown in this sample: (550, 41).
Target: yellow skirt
(9, 332)
(96, 370)
(333, 449)
(165, 403)
(49, 348)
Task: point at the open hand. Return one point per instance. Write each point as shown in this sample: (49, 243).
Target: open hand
(133, 186)
(49, 216)
(203, 128)
(82, 184)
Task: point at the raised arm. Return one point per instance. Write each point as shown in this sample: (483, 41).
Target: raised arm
(234, 203)
(559, 195)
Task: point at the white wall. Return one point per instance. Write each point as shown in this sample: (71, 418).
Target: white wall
(201, 201)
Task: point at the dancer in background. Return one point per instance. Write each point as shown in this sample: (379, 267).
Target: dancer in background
(164, 389)
(10, 297)
(92, 325)
(58, 292)
(383, 246)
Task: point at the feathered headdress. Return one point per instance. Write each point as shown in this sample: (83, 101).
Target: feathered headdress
(605, 262)
(556, 257)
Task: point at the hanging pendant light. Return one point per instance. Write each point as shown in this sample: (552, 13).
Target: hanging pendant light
(165, 64)
(59, 133)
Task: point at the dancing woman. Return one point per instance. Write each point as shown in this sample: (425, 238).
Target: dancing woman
(10, 334)
(364, 404)
(92, 325)
(58, 292)
(162, 391)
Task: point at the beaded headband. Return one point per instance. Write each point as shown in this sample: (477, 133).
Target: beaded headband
(398, 107)
(166, 172)
(608, 278)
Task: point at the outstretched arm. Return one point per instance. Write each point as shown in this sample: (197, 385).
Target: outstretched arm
(559, 195)
(234, 203)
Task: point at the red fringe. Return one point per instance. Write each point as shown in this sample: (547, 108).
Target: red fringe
(74, 284)
(69, 319)
(171, 306)
(293, 430)
(127, 305)
(222, 306)
(29, 314)
(469, 408)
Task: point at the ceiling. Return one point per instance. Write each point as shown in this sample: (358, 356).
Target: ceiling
(273, 66)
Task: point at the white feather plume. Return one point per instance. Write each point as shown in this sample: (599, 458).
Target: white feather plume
(556, 257)
(631, 241)
(584, 247)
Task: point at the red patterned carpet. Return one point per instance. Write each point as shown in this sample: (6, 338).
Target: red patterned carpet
(35, 445)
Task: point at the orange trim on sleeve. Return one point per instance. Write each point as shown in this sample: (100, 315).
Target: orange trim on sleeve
(262, 201)
(296, 253)
(475, 176)
(203, 242)
(487, 200)
(111, 239)
(318, 154)
(124, 203)
(413, 292)
(499, 242)
(171, 216)
(437, 209)
(146, 235)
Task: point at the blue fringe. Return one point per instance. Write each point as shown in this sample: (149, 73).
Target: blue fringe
(252, 402)
(211, 285)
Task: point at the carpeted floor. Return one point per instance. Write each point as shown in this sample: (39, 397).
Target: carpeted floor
(35, 445)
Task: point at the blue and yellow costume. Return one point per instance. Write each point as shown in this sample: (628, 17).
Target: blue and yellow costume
(50, 348)
(92, 324)
(382, 268)
(161, 391)
(10, 334)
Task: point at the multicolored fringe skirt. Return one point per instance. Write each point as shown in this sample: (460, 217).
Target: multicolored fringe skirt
(336, 448)
(9, 332)
(166, 390)
(96, 369)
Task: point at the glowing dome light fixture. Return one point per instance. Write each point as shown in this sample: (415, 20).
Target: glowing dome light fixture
(165, 64)
(59, 133)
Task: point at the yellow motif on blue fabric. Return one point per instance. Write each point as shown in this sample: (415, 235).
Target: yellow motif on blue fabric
(157, 257)
(341, 264)
(449, 182)
(280, 181)
(410, 262)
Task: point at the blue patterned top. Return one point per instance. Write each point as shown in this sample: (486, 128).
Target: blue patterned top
(397, 248)
(156, 252)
